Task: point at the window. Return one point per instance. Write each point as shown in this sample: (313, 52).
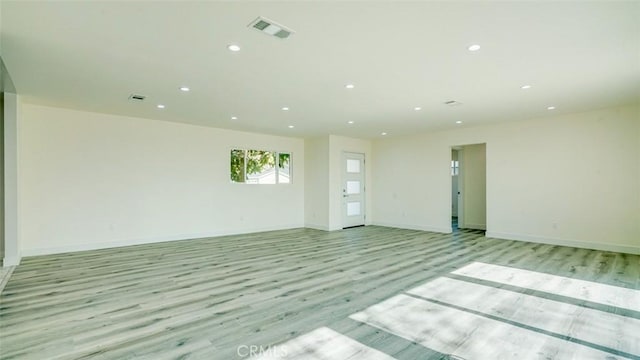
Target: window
(260, 167)
(455, 167)
(284, 168)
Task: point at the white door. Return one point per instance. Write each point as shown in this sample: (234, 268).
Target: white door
(352, 189)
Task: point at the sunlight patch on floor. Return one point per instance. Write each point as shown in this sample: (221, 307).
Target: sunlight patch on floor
(553, 284)
(475, 321)
(589, 325)
(448, 330)
(321, 344)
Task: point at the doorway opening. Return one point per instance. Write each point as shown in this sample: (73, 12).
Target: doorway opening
(468, 187)
(455, 191)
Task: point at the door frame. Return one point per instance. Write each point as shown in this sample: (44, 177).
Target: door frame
(461, 185)
(461, 189)
(343, 196)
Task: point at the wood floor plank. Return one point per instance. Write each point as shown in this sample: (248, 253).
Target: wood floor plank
(202, 298)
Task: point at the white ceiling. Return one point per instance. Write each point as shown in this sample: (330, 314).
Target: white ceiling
(92, 55)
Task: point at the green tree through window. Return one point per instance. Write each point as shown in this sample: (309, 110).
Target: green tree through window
(237, 166)
(260, 167)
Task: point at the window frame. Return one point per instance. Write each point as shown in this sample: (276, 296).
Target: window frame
(455, 167)
(277, 170)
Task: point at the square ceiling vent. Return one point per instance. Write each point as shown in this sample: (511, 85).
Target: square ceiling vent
(452, 103)
(271, 28)
(136, 97)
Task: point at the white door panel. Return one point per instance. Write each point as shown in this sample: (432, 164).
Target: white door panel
(353, 189)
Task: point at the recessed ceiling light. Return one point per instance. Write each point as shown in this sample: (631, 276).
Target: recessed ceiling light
(474, 47)
(160, 106)
(285, 108)
(417, 108)
(184, 88)
(233, 47)
(383, 134)
(234, 118)
(551, 108)
(350, 122)
(291, 126)
(349, 86)
(525, 87)
(458, 122)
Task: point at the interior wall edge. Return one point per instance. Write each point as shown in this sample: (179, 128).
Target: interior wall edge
(317, 227)
(475, 226)
(11, 261)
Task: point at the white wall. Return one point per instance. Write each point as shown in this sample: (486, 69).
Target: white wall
(2, 176)
(412, 182)
(93, 180)
(316, 191)
(570, 179)
(12, 127)
(474, 193)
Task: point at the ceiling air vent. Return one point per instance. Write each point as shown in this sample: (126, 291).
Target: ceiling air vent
(136, 97)
(269, 27)
(452, 103)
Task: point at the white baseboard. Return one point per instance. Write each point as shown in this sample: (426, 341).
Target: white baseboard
(572, 243)
(317, 227)
(414, 227)
(474, 226)
(11, 261)
(141, 241)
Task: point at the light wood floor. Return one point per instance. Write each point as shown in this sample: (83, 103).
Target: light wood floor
(399, 294)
